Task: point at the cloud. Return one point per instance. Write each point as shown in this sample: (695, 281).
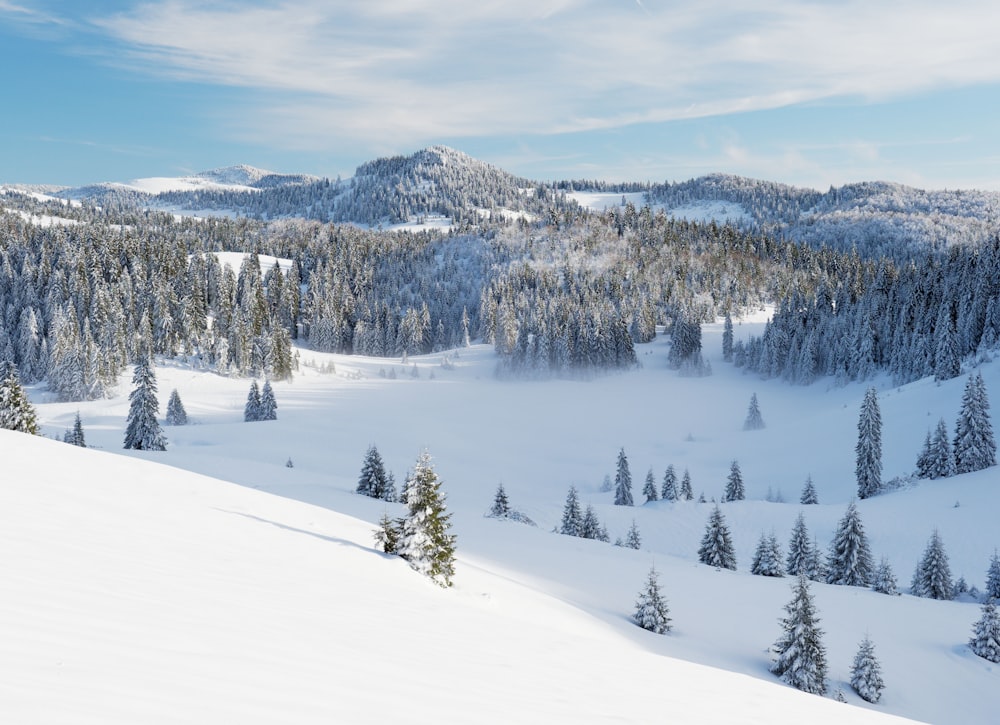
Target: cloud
(325, 73)
(23, 14)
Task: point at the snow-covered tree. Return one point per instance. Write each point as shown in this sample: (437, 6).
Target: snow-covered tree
(251, 411)
(74, 436)
(993, 577)
(735, 491)
(649, 487)
(885, 579)
(974, 446)
(686, 493)
(754, 420)
(142, 430)
(801, 656)
(572, 518)
(590, 525)
(866, 672)
(985, 640)
(16, 411)
(932, 577)
(268, 405)
(940, 460)
(717, 544)
(373, 480)
(850, 560)
(669, 490)
(623, 481)
(809, 496)
(947, 360)
(632, 538)
(767, 557)
(176, 415)
(425, 542)
(387, 534)
(501, 506)
(868, 468)
(651, 610)
(727, 339)
(801, 558)
(924, 457)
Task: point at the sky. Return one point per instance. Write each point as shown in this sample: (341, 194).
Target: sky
(805, 92)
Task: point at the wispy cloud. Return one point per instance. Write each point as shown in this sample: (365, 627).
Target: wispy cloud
(25, 14)
(330, 72)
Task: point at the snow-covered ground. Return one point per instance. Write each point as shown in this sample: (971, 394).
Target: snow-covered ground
(134, 587)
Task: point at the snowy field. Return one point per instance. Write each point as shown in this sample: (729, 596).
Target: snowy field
(140, 593)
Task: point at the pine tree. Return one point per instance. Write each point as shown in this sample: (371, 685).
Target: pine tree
(985, 640)
(868, 470)
(16, 411)
(974, 446)
(754, 420)
(735, 490)
(425, 542)
(251, 411)
(801, 657)
(809, 496)
(801, 557)
(866, 673)
(501, 506)
(623, 481)
(932, 577)
(649, 488)
(651, 610)
(571, 518)
(387, 534)
(632, 538)
(767, 557)
(373, 480)
(727, 339)
(176, 415)
(940, 462)
(885, 580)
(686, 492)
(993, 577)
(142, 430)
(924, 457)
(590, 526)
(850, 560)
(268, 405)
(74, 435)
(947, 361)
(669, 490)
(717, 544)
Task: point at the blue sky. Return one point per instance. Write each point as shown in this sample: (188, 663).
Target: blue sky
(810, 92)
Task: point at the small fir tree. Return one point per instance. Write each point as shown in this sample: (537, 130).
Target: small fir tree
(932, 577)
(387, 534)
(993, 577)
(924, 457)
(735, 491)
(142, 430)
(390, 488)
(501, 506)
(801, 656)
(940, 461)
(809, 496)
(767, 557)
(686, 492)
(866, 673)
(649, 488)
(251, 411)
(623, 481)
(268, 405)
(669, 490)
(572, 518)
(727, 339)
(885, 579)
(717, 544)
(632, 538)
(606, 484)
(801, 557)
(425, 541)
(850, 559)
(985, 640)
(590, 525)
(16, 411)
(754, 420)
(651, 611)
(176, 415)
(868, 468)
(75, 434)
(817, 564)
(373, 480)
(974, 445)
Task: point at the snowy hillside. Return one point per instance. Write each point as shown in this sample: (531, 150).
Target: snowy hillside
(533, 612)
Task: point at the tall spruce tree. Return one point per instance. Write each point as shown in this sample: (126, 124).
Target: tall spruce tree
(885, 579)
(801, 656)
(767, 557)
(809, 496)
(268, 405)
(974, 447)
(993, 577)
(632, 538)
(572, 518)
(866, 672)
(985, 640)
(142, 430)
(425, 541)
(74, 435)
(686, 492)
(176, 415)
(373, 480)
(727, 339)
(754, 421)
(717, 543)
(932, 577)
(651, 610)
(850, 560)
(501, 505)
(801, 558)
(623, 481)
(940, 460)
(16, 411)
(669, 490)
(590, 525)
(868, 468)
(649, 487)
(735, 490)
(251, 411)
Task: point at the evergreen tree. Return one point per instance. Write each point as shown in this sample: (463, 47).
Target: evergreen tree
(387, 534)
(176, 415)
(669, 490)
(373, 480)
(801, 557)
(501, 506)
(809, 496)
(651, 610)
(885, 580)
(632, 538)
(686, 493)
(940, 462)
(424, 541)
(767, 557)
(606, 484)
(816, 563)
(251, 411)
(717, 544)
(649, 488)
(623, 481)
(932, 577)
(868, 470)
(390, 488)
(735, 490)
(727, 339)
(866, 673)
(924, 457)
(993, 577)
(16, 411)
(947, 361)
(590, 526)
(754, 420)
(974, 447)
(74, 435)
(850, 560)
(985, 640)
(801, 656)
(572, 517)
(142, 430)
(268, 405)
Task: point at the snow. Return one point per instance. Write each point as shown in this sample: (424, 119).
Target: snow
(706, 211)
(602, 201)
(266, 261)
(134, 584)
(42, 220)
